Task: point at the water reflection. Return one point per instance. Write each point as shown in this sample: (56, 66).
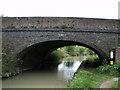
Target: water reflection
(67, 69)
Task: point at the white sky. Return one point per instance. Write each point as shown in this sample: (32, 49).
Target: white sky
(60, 8)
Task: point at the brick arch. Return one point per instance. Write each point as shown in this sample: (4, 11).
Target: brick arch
(36, 53)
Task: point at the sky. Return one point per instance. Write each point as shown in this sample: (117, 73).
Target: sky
(106, 9)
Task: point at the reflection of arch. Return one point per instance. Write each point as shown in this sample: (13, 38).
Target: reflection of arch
(36, 53)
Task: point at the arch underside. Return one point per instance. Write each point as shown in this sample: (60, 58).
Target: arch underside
(35, 54)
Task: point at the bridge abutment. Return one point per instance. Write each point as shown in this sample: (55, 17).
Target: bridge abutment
(117, 55)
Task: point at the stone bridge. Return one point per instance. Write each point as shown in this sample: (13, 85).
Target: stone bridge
(30, 39)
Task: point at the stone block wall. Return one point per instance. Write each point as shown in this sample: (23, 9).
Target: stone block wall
(117, 55)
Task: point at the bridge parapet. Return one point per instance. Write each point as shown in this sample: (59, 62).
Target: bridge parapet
(60, 22)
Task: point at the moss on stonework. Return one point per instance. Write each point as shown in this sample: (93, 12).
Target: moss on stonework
(27, 27)
(11, 26)
(9, 62)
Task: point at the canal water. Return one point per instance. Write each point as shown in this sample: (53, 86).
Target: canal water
(44, 79)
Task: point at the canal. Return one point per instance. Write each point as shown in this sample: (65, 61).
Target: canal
(56, 78)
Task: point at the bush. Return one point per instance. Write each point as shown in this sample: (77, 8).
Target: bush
(57, 55)
(113, 70)
(90, 52)
(82, 50)
(71, 50)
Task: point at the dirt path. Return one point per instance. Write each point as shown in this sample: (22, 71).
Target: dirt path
(108, 83)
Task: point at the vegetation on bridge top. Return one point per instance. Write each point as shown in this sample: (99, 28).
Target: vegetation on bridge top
(36, 27)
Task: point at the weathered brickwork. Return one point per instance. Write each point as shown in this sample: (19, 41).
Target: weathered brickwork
(48, 22)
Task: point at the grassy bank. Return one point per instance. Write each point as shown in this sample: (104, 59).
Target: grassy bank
(93, 79)
(85, 79)
(116, 85)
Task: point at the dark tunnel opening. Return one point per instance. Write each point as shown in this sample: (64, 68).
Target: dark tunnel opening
(35, 55)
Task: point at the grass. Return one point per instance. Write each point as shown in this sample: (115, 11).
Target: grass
(85, 79)
(115, 85)
(94, 78)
